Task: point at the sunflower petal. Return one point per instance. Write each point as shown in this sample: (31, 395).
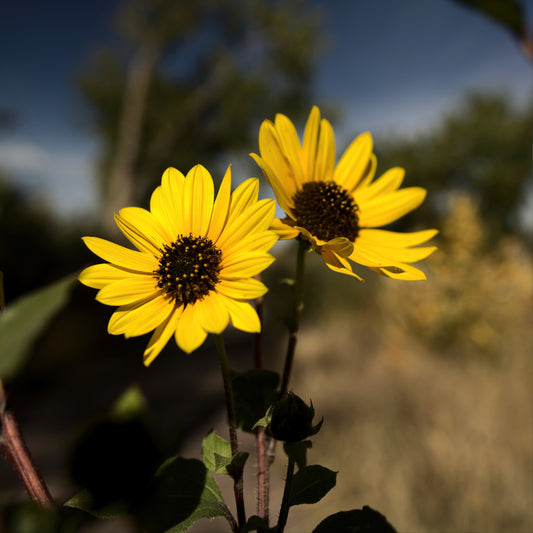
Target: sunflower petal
(284, 231)
(290, 146)
(220, 207)
(243, 316)
(256, 218)
(405, 273)
(140, 317)
(394, 239)
(254, 242)
(161, 336)
(243, 196)
(167, 205)
(142, 229)
(389, 182)
(353, 164)
(198, 199)
(212, 313)
(245, 265)
(283, 190)
(341, 246)
(242, 289)
(120, 256)
(127, 291)
(325, 157)
(271, 151)
(98, 276)
(337, 264)
(310, 143)
(387, 208)
(189, 334)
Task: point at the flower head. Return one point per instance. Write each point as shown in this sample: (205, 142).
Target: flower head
(193, 268)
(338, 208)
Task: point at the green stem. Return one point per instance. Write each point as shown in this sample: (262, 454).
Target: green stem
(237, 474)
(284, 510)
(296, 315)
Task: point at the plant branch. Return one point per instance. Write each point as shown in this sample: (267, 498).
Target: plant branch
(284, 510)
(232, 423)
(15, 451)
(296, 315)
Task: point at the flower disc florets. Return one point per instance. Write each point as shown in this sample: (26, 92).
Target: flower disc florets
(326, 210)
(188, 269)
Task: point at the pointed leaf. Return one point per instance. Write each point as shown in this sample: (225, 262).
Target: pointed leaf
(84, 500)
(183, 492)
(25, 319)
(216, 453)
(311, 484)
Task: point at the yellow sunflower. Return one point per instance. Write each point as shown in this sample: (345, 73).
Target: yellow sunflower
(338, 208)
(193, 268)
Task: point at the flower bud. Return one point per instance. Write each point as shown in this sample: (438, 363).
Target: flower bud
(291, 419)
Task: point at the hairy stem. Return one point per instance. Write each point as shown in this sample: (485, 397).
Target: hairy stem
(237, 474)
(263, 472)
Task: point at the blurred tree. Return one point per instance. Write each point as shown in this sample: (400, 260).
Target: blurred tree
(483, 147)
(192, 80)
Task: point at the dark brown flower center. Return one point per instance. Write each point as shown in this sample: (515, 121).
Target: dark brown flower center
(326, 210)
(188, 269)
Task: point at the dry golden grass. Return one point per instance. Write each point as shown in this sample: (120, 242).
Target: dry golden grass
(426, 393)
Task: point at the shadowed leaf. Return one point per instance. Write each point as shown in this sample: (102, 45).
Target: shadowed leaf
(183, 492)
(364, 520)
(25, 319)
(311, 484)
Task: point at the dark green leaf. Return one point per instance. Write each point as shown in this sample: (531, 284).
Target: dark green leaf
(364, 520)
(84, 500)
(183, 492)
(237, 463)
(25, 319)
(254, 392)
(216, 453)
(311, 484)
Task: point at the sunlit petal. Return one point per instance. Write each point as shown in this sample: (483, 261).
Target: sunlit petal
(120, 256)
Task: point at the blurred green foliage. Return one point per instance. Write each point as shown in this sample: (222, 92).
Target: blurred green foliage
(191, 81)
(482, 147)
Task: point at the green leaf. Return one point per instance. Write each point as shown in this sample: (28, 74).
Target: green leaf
(25, 319)
(84, 500)
(365, 520)
(311, 484)
(216, 453)
(237, 463)
(183, 492)
(254, 391)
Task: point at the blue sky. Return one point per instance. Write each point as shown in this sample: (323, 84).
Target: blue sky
(392, 66)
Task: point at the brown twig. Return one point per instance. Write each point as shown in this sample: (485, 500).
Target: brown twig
(16, 452)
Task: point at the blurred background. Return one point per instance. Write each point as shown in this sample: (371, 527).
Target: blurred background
(425, 387)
